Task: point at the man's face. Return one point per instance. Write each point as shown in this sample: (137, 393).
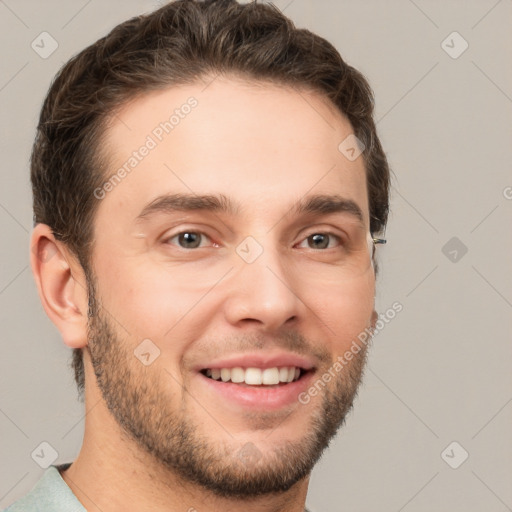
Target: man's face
(185, 291)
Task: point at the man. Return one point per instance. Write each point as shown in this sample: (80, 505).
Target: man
(208, 187)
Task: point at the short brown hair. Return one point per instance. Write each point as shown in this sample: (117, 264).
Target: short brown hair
(180, 43)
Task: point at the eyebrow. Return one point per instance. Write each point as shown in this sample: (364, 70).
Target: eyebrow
(325, 204)
(312, 205)
(170, 203)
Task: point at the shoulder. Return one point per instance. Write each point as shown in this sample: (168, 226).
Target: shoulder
(49, 494)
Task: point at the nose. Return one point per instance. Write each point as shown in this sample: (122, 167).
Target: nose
(264, 293)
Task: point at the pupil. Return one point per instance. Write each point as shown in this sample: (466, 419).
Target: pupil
(320, 241)
(189, 240)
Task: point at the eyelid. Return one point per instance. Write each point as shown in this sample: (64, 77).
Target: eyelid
(324, 229)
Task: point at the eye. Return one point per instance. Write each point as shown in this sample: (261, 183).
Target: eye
(187, 239)
(321, 241)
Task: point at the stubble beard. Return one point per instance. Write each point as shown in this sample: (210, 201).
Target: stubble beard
(140, 403)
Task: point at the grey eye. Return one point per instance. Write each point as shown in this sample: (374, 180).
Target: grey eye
(188, 239)
(320, 240)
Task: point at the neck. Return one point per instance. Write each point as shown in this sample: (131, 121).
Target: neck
(113, 474)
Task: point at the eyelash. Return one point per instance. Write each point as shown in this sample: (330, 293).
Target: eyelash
(328, 233)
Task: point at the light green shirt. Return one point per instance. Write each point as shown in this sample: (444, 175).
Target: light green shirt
(50, 494)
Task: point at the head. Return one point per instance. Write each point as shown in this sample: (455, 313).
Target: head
(184, 168)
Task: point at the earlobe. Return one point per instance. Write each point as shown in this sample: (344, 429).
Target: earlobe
(375, 317)
(61, 284)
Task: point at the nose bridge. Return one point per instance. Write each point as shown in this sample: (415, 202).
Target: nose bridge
(263, 288)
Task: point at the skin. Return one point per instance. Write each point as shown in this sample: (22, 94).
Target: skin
(265, 147)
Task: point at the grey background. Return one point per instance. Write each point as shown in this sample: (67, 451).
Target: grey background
(441, 370)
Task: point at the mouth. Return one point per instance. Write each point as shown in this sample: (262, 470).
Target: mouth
(276, 376)
(257, 381)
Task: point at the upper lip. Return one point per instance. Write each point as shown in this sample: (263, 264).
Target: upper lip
(260, 360)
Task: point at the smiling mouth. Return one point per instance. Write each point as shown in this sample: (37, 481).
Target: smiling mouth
(256, 377)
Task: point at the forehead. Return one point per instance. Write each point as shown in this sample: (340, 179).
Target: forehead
(265, 145)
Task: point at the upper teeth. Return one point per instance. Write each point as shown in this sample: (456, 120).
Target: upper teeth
(255, 376)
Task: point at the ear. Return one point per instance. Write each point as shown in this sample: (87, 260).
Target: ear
(61, 284)
(375, 317)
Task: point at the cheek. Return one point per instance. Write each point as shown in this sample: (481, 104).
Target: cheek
(133, 299)
(149, 302)
(347, 311)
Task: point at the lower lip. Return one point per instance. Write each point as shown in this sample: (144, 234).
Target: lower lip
(268, 398)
